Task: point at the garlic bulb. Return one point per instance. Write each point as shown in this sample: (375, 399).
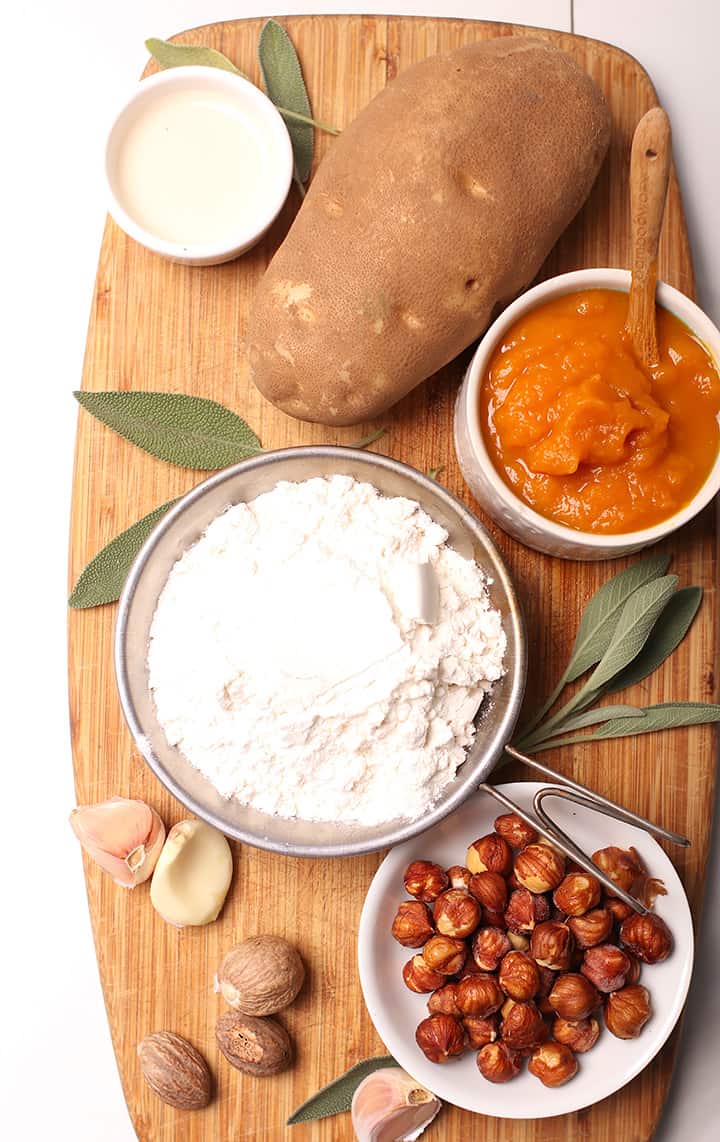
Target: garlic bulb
(123, 836)
(389, 1106)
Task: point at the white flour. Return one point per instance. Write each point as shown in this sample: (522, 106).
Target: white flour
(321, 653)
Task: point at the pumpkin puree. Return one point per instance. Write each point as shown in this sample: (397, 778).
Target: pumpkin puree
(578, 430)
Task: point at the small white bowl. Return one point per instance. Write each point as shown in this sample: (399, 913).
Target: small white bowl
(262, 124)
(490, 490)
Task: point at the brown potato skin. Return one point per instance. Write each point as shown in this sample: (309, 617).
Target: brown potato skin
(436, 205)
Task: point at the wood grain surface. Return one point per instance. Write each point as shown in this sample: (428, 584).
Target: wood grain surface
(155, 325)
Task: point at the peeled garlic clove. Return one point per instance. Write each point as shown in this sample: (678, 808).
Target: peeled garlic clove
(121, 835)
(192, 875)
(389, 1106)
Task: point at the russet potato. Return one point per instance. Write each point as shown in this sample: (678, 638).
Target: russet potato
(435, 206)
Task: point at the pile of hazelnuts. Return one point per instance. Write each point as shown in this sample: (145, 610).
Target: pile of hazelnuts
(521, 950)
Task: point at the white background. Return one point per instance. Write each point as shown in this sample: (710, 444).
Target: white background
(66, 66)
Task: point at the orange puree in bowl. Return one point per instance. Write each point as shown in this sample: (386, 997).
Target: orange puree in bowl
(581, 433)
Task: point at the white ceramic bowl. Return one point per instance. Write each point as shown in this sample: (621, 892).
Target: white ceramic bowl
(251, 108)
(396, 1011)
(494, 495)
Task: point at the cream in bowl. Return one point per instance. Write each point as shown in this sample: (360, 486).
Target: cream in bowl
(568, 442)
(198, 164)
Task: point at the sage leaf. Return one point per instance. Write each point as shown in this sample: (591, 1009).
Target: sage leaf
(663, 716)
(364, 441)
(189, 55)
(285, 86)
(637, 619)
(667, 634)
(336, 1097)
(192, 432)
(598, 714)
(104, 577)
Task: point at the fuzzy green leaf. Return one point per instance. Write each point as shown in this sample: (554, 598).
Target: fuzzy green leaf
(663, 716)
(285, 86)
(336, 1097)
(637, 619)
(104, 577)
(666, 635)
(189, 55)
(596, 715)
(192, 432)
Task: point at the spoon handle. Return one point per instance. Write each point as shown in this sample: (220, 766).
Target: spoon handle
(649, 171)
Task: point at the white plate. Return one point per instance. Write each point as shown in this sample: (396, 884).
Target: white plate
(396, 1011)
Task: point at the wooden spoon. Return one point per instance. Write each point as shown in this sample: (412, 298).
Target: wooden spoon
(649, 170)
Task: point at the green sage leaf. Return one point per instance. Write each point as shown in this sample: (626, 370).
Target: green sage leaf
(336, 1097)
(637, 619)
(189, 55)
(285, 86)
(667, 634)
(596, 715)
(663, 716)
(364, 441)
(192, 432)
(104, 577)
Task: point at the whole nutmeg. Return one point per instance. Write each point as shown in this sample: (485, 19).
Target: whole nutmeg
(459, 876)
(525, 910)
(522, 1025)
(175, 1070)
(260, 975)
(456, 913)
(577, 1034)
(490, 853)
(440, 1038)
(647, 937)
(577, 893)
(606, 966)
(514, 830)
(627, 1011)
(553, 1063)
(498, 1063)
(255, 1046)
(539, 868)
(573, 996)
(552, 945)
(445, 954)
(618, 909)
(490, 888)
(479, 995)
(419, 977)
(425, 880)
(480, 1029)
(412, 926)
(519, 976)
(488, 947)
(592, 928)
(444, 1000)
(625, 867)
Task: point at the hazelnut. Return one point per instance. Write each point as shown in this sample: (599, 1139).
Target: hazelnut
(261, 975)
(624, 866)
(627, 1011)
(479, 995)
(525, 910)
(606, 966)
(175, 1070)
(488, 948)
(459, 876)
(577, 893)
(457, 913)
(440, 1037)
(412, 926)
(254, 1046)
(419, 977)
(518, 941)
(618, 909)
(547, 980)
(553, 1063)
(634, 974)
(425, 880)
(515, 831)
(540, 868)
(490, 889)
(444, 1000)
(592, 928)
(552, 945)
(573, 996)
(648, 937)
(519, 976)
(444, 954)
(522, 1025)
(498, 1063)
(577, 1034)
(480, 1029)
(490, 854)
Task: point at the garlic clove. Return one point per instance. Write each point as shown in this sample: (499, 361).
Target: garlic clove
(192, 875)
(122, 835)
(390, 1106)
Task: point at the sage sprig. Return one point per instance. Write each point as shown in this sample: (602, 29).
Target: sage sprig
(188, 55)
(104, 577)
(336, 1097)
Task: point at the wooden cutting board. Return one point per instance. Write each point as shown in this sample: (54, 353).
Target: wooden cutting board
(155, 325)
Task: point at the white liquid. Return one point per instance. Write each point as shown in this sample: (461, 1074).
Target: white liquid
(194, 168)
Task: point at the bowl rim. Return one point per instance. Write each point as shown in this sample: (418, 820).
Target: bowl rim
(241, 90)
(516, 667)
(596, 277)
